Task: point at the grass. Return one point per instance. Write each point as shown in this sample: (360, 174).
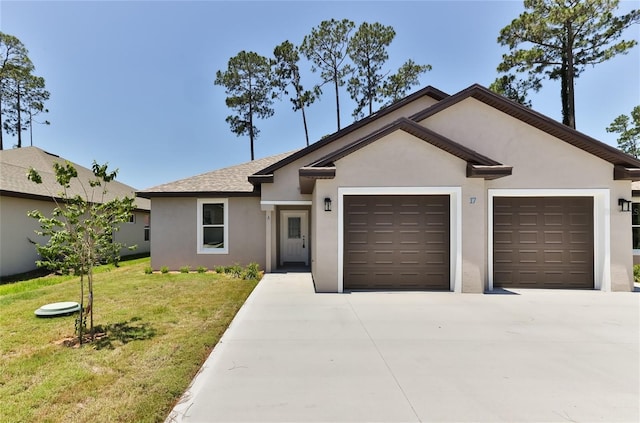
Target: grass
(160, 328)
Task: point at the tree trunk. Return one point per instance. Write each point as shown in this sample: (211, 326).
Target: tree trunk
(81, 316)
(563, 92)
(304, 121)
(19, 122)
(337, 101)
(251, 134)
(568, 88)
(1, 130)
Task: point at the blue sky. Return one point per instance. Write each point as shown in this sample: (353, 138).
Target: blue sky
(132, 82)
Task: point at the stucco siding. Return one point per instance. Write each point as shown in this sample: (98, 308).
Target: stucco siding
(174, 229)
(540, 161)
(132, 234)
(398, 160)
(17, 253)
(621, 240)
(286, 185)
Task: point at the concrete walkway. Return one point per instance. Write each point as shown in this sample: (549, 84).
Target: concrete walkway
(292, 355)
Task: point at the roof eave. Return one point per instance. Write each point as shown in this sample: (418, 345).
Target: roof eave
(428, 91)
(488, 172)
(621, 173)
(308, 176)
(199, 194)
(256, 179)
(535, 119)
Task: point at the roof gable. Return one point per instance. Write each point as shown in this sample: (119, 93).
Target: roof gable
(416, 130)
(478, 165)
(539, 121)
(428, 91)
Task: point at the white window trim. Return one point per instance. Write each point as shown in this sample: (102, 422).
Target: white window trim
(200, 241)
(601, 227)
(455, 222)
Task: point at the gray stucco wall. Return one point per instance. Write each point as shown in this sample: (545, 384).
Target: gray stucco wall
(174, 234)
(542, 166)
(541, 161)
(18, 254)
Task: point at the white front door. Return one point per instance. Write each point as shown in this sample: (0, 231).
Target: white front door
(294, 239)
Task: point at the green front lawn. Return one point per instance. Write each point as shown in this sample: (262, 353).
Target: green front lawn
(160, 328)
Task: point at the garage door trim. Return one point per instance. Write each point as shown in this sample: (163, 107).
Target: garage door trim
(454, 193)
(601, 229)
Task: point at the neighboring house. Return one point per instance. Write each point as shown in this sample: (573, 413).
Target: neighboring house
(466, 193)
(18, 195)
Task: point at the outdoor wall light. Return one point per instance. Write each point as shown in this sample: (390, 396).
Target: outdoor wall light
(327, 204)
(625, 205)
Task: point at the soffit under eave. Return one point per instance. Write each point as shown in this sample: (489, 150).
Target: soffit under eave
(308, 176)
(488, 172)
(621, 173)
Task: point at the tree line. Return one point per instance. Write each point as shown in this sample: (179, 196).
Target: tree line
(551, 39)
(22, 93)
(559, 39)
(342, 54)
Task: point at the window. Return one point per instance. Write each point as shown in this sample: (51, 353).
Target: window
(147, 227)
(213, 229)
(635, 225)
(132, 218)
(294, 224)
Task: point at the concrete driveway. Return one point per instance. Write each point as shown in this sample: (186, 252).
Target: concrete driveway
(291, 355)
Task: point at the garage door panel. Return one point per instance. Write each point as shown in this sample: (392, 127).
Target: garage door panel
(527, 219)
(556, 252)
(503, 237)
(401, 242)
(502, 219)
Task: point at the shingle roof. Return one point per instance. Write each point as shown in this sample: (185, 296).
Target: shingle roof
(15, 164)
(229, 180)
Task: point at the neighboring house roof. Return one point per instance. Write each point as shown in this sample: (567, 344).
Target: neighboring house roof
(228, 181)
(14, 167)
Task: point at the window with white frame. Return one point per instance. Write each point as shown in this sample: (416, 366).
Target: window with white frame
(213, 226)
(635, 225)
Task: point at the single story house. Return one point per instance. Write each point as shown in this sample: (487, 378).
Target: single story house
(466, 193)
(18, 196)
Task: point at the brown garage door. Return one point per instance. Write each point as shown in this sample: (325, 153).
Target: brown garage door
(396, 242)
(543, 242)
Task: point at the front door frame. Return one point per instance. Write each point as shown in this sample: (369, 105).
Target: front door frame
(304, 214)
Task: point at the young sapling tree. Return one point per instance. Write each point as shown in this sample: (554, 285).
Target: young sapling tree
(80, 229)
